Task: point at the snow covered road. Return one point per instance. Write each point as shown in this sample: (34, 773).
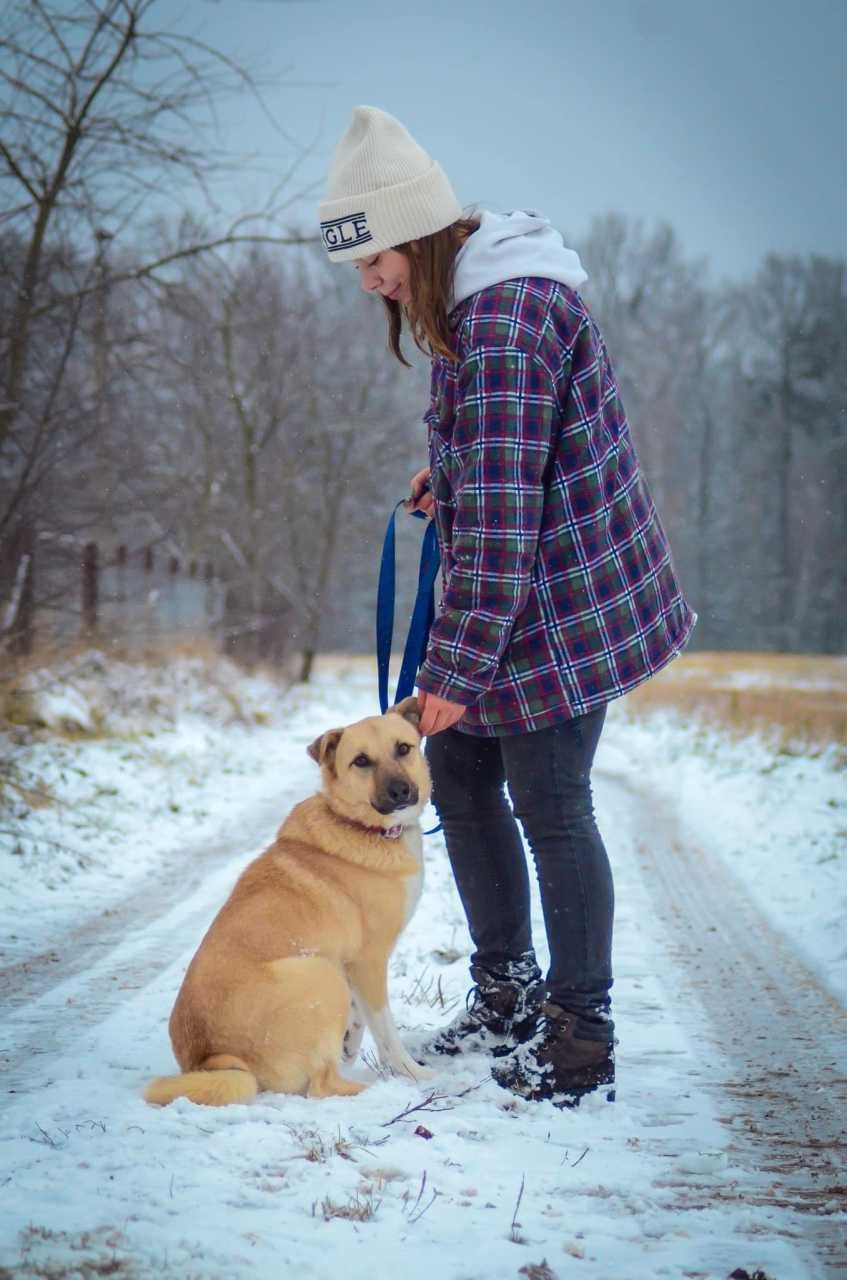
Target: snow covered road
(771, 1036)
(725, 1148)
(118, 951)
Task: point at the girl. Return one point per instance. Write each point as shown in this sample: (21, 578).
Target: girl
(558, 592)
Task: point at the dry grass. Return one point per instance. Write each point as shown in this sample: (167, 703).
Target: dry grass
(361, 1206)
(58, 666)
(797, 699)
(318, 1148)
(538, 1271)
(89, 1255)
(427, 990)
(159, 651)
(166, 649)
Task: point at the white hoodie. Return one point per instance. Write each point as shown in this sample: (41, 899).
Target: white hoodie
(510, 246)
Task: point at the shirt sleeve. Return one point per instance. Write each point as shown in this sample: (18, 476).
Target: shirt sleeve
(503, 434)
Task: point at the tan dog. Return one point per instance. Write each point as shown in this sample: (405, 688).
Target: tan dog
(298, 954)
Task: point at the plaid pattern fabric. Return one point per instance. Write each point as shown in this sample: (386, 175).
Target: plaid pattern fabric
(558, 591)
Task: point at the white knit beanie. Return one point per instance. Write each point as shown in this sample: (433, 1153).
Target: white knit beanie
(383, 190)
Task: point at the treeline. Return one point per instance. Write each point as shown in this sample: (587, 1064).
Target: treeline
(248, 413)
(229, 396)
(738, 399)
(164, 382)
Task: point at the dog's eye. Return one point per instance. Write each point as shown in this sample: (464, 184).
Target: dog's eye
(362, 761)
(403, 748)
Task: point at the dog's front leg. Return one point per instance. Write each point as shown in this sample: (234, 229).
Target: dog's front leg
(370, 987)
(354, 1033)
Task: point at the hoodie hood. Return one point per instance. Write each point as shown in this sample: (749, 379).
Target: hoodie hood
(510, 246)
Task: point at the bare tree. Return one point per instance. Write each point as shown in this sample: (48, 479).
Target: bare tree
(736, 397)
(791, 323)
(656, 315)
(651, 303)
(103, 113)
(288, 434)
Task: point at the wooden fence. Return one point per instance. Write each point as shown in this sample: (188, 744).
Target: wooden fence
(58, 591)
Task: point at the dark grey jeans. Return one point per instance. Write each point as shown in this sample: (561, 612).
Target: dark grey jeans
(548, 775)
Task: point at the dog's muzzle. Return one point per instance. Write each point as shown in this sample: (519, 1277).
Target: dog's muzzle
(396, 792)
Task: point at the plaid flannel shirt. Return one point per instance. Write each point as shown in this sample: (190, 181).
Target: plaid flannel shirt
(558, 591)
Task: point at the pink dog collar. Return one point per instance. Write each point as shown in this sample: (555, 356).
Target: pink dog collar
(392, 833)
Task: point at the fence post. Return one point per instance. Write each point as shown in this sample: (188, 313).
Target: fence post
(150, 597)
(120, 566)
(89, 588)
(210, 596)
(21, 610)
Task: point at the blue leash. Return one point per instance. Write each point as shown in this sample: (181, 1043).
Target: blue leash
(422, 614)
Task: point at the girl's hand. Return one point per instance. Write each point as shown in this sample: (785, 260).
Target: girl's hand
(437, 713)
(421, 499)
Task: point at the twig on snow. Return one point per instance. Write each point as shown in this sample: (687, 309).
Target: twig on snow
(433, 1097)
(47, 1139)
(514, 1234)
(413, 1215)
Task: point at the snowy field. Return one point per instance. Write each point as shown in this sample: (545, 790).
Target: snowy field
(121, 835)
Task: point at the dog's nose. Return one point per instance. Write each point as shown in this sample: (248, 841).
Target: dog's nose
(399, 791)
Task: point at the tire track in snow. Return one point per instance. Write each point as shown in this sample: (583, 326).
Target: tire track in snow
(776, 1031)
(45, 999)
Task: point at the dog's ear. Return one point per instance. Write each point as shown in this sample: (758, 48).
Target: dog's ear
(409, 709)
(323, 748)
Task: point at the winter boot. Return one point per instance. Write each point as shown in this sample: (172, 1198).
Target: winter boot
(502, 1010)
(558, 1064)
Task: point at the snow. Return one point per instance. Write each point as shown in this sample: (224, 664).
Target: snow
(177, 758)
(471, 1183)
(777, 816)
(821, 682)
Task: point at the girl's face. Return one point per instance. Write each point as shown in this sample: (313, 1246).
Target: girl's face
(386, 273)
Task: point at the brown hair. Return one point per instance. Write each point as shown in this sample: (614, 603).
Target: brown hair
(431, 282)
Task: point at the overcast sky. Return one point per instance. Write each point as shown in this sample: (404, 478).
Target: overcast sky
(726, 118)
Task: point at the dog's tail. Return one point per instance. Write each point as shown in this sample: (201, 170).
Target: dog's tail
(219, 1081)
